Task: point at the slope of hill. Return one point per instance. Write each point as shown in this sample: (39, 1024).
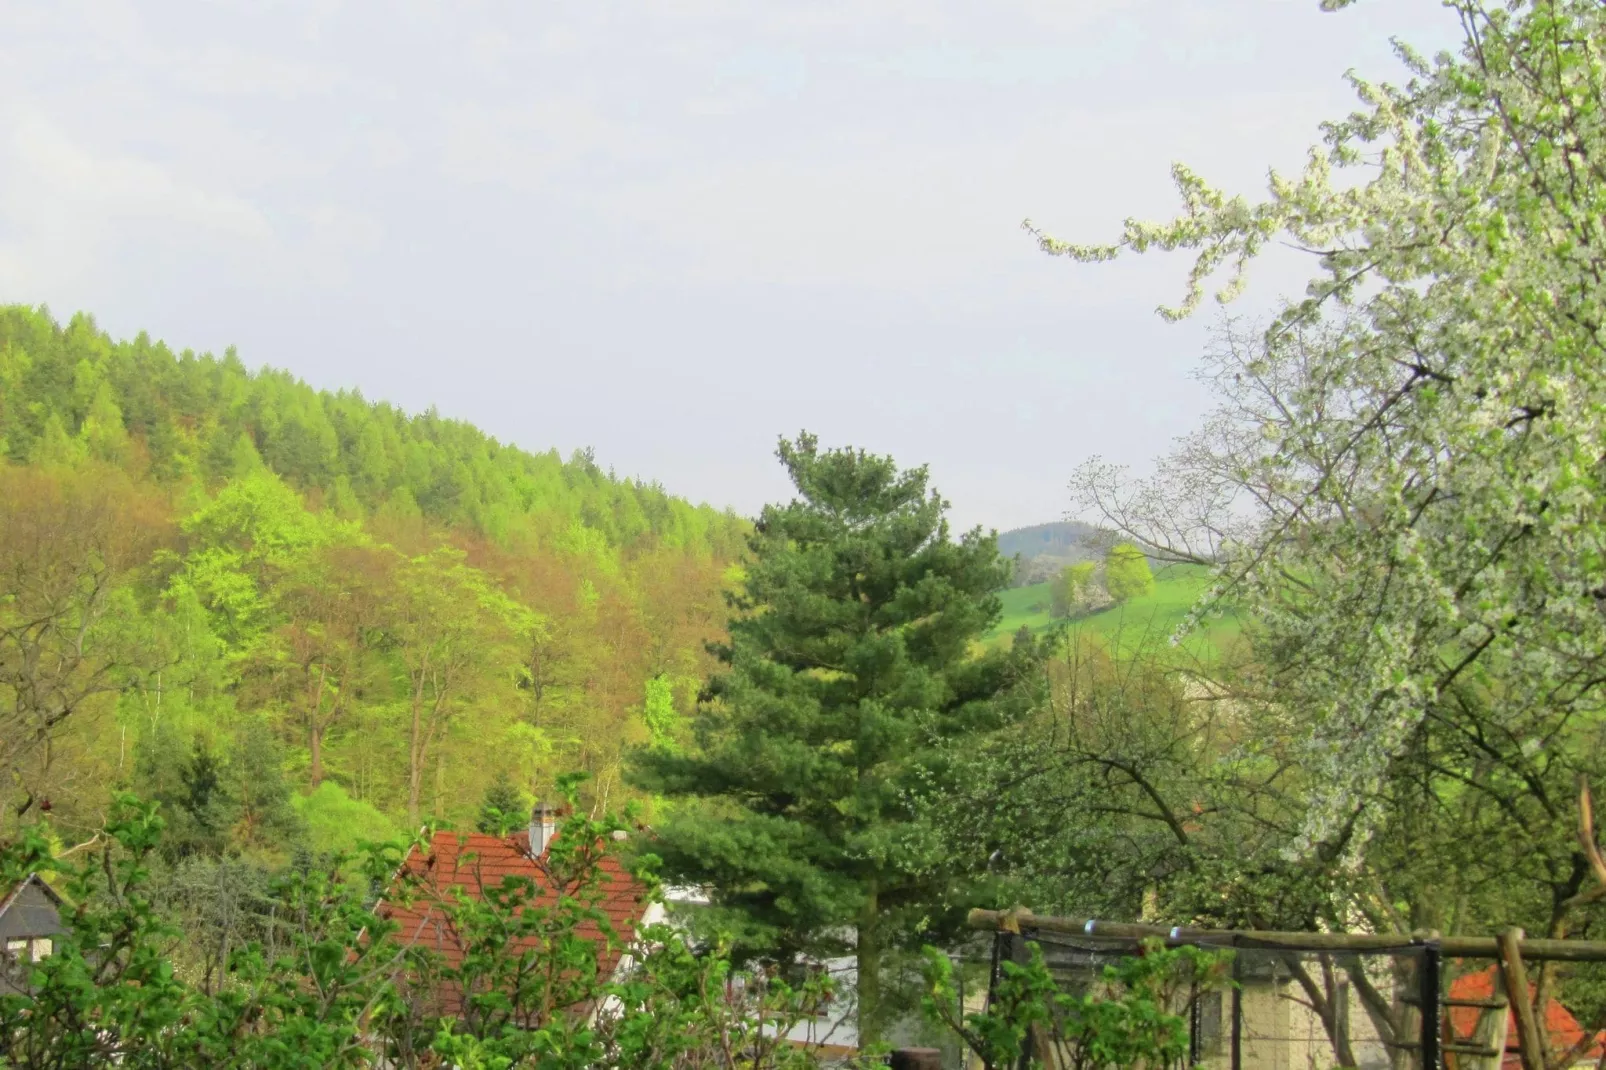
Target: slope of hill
(290, 614)
(1150, 619)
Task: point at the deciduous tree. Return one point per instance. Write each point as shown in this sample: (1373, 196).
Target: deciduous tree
(70, 543)
(446, 622)
(1126, 573)
(1404, 481)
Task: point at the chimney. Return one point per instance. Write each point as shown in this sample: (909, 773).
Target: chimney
(543, 826)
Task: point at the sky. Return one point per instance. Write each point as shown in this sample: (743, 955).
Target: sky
(675, 231)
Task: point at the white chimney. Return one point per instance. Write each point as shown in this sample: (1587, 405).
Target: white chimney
(543, 826)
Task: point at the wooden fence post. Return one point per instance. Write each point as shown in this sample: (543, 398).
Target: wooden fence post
(1039, 1041)
(1522, 1007)
(1429, 994)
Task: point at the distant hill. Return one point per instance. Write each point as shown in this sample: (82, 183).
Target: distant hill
(1042, 550)
(1062, 538)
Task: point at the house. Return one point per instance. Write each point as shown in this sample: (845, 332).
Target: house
(30, 921)
(471, 864)
(1484, 1024)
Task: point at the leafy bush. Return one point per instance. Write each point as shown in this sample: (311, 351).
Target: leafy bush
(1132, 1017)
(328, 982)
(336, 823)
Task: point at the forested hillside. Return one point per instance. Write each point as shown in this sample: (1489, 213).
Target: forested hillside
(1062, 538)
(294, 616)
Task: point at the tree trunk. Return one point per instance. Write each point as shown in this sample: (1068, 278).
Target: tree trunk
(1326, 998)
(869, 967)
(415, 757)
(315, 730)
(315, 745)
(440, 783)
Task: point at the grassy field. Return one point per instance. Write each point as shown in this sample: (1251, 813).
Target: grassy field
(1152, 619)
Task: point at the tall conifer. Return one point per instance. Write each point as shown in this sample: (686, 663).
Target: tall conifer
(851, 667)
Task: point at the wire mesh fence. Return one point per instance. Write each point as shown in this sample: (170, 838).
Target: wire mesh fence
(1401, 1007)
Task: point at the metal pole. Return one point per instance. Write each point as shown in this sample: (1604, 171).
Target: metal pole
(1193, 1024)
(1019, 954)
(1237, 1014)
(1428, 971)
(992, 980)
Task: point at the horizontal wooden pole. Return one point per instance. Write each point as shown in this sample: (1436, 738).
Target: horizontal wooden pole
(1459, 947)
(1457, 1046)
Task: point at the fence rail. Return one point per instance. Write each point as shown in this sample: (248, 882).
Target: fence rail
(1459, 947)
(1323, 1001)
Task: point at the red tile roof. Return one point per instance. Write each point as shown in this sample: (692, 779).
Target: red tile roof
(474, 862)
(1563, 1028)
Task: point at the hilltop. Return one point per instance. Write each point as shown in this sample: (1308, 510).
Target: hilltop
(1062, 538)
(1041, 550)
(70, 393)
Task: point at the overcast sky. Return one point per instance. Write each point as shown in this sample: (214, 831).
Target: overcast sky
(674, 230)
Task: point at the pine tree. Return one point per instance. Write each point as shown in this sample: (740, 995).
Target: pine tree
(849, 670)
(502, 809)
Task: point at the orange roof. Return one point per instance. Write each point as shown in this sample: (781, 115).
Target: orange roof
(474, 862)
(1563, 1028)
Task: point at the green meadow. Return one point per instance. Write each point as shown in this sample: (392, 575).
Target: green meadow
(1149, 620)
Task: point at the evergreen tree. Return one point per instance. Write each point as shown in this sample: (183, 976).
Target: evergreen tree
(502, 809)
(849, 671)
(262, 813)
(188, 785)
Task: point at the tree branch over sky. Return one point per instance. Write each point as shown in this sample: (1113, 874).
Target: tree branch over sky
(1403, 479)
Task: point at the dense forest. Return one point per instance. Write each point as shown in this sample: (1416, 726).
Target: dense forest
(295, 616)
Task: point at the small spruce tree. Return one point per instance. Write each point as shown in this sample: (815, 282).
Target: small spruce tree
(502, 808)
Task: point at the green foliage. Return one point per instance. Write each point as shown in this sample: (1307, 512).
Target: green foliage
(1074, 590)
(849, 665)
(71, 391)
(318, 977)
(659, 713)
(217, 802)
(1126, 573)
(264, 817)
(338, 824)
(1130, 1018)
(316, 587)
